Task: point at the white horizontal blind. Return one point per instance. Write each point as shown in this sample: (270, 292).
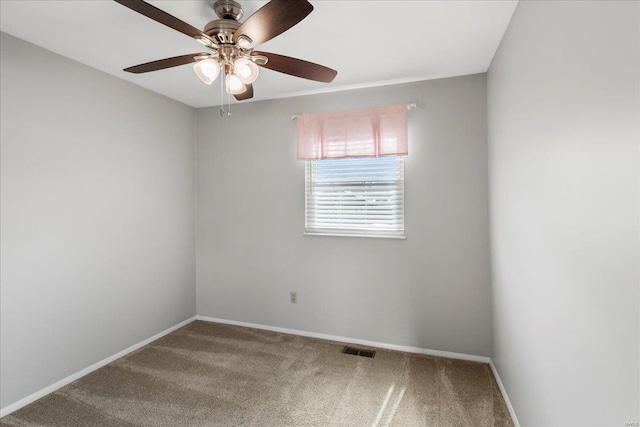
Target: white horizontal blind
(355, 196)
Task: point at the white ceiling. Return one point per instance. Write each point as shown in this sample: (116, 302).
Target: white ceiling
(369, 43)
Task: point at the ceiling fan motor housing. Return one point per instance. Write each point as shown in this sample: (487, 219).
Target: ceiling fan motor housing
(222, 30)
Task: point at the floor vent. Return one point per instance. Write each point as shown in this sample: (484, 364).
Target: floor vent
(357, 352)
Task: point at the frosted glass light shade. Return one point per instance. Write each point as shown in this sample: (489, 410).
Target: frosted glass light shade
(234, 85)
(246, 70)
(207, 70)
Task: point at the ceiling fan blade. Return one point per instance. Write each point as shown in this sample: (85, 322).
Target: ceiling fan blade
(161, 64)
(272, 19)
(247, 94)
(163, 17)
(298, 67)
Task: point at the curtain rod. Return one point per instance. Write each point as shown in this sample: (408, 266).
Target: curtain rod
(410, 106)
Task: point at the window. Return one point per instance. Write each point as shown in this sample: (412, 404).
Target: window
(354, 172)
(355, 196)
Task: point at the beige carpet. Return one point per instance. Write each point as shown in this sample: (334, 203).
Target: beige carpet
(207, 374)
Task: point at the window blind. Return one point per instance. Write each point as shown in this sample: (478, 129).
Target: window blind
(355, 196)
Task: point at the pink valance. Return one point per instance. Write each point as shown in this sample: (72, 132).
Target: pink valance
(372, 132)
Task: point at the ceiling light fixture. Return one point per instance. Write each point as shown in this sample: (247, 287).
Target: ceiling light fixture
(234, 85)
(246, 70)
(240, 72)
(231, 44)
(239, 69)
(207, 70)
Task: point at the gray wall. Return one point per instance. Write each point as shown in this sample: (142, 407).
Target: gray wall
(430, 290)
(563, 141)
(97, 229)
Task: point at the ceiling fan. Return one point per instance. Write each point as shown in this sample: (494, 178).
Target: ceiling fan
(230, 44)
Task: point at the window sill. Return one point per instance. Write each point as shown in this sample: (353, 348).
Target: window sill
(375, 236)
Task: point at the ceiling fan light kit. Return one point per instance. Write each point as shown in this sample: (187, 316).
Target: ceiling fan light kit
(233, 84)
(230, 44)
(246, 70)
(207, 69)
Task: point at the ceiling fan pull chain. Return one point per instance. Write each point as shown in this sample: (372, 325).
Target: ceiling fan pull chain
(222, 84)
(222, 93)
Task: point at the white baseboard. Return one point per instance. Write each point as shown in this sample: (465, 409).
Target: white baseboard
(504, 394)
(418, 350)
(63, 382)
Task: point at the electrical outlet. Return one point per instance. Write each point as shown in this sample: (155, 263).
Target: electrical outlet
(294, 297)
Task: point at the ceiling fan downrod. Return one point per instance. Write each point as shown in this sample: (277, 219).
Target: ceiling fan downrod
(228, 9)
